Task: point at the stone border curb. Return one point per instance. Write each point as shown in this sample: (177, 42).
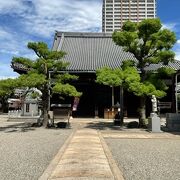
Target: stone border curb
(117, 173)
(48, 171)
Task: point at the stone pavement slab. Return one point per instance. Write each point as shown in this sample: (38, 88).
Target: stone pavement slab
(84, 158)
(147, 135)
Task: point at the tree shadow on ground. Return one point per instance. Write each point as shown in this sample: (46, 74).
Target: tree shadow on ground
(165, 129)
(20, 127)
(126, 126)
(104, 126)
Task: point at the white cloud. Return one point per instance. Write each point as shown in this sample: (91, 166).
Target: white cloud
(6, 71)
(177, 50)
(9, 43)
(177, 56)
(170, 26)
(178, 41)
(11, 6)
(43, 17)
(38, 19)
(13, 44)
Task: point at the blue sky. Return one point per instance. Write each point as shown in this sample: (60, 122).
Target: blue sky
(22, 21)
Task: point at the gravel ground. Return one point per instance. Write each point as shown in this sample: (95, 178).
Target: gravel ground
(147, 159)
(25, 152)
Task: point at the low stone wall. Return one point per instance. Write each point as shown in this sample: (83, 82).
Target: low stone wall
(173, 121)
(23, 119)
(16, 116)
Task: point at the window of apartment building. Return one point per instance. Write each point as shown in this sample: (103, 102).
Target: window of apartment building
(134, 9)
(150, 1)
(150, 9)
(141, 16)
(108, 12)
(133, 5)
(150, 12)
(108, 30)
(134, 19)
(109, 27)
(142, 5)
(117, 26)
(109, 9)
(109, 21)
(117, 5)
(150, 16)
(125, 5)
(117, 9)
(109, 1)
(150, 5)
(125, 9)
(133, 15)
(109, 15)
(109, 5)
(142, 9)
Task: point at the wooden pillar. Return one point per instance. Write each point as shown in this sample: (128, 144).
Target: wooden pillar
(122, 102)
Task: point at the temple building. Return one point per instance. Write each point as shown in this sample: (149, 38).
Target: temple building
(88, 52)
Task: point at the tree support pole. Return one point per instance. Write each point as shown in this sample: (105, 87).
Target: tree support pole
(122, 103)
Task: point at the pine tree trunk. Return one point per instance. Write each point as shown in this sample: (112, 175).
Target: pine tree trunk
(122, 103)
(45, 104)
(142, 111)
(4, 105)
(45, 117)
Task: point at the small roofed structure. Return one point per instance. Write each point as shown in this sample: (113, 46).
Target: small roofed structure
(14, 104)
(30, 107)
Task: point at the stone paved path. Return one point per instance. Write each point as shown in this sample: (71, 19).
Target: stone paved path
(84, 158)
(131, 135)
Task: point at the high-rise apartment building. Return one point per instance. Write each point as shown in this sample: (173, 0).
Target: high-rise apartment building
(116, 12)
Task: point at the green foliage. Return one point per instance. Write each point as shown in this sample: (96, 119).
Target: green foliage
(47, 65)
(7, 87)
(109, 77)
(149, 43)
(131, 75)
(129, 26)
(124, 38)
(66, 89)
(31, 79)
(62, 78)
(165, 39)
(148, 27)
(42, 51)
(25, 61)
(127, 63)
(165, 72)
(145, 89)
(46, 61)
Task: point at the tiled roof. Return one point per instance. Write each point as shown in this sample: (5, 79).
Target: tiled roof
(20, 68)
(87, 52)
(90, 51)
(175, 65)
